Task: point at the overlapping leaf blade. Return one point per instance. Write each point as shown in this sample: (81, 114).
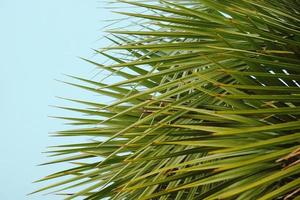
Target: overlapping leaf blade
(209, 108)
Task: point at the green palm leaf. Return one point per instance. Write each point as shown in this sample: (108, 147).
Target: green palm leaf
(207, 106)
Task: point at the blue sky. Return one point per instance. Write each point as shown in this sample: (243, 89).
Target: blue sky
(40, 40)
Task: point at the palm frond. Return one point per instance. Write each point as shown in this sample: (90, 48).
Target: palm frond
(207, 106)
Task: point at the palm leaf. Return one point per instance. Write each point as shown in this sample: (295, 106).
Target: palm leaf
(206, 107)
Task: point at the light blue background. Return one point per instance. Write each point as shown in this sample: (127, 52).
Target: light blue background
(40, 40)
